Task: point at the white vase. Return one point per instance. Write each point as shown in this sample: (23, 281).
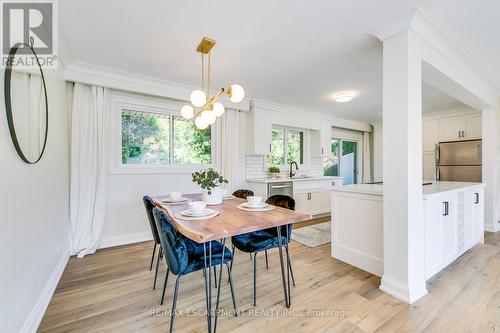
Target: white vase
(214, 198)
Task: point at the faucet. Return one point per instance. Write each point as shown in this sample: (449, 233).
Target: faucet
(296, 168)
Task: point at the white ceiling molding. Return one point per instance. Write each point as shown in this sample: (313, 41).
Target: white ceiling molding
(124, 81)
(450, 112)
(336, 121)
(439, 47)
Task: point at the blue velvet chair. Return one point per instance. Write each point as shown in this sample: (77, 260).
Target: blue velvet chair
(267, 239)
(149, 204)
(184, 256)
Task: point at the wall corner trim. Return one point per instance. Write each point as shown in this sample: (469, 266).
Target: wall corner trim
(402, 291)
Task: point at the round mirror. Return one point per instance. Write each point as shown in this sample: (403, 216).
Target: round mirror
(26, 103)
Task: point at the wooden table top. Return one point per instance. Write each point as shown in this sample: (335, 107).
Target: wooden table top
(230, 222)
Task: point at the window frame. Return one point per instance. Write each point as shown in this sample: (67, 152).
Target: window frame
(305, 145)
(152, 105)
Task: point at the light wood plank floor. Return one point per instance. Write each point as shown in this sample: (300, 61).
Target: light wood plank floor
(110, 291)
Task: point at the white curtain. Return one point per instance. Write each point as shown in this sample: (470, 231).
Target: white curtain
(230, 138)
(90, 122)
(367, 165)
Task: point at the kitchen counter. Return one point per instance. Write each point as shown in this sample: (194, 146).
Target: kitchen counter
(429, 191)
(279, 180)
(452, 223)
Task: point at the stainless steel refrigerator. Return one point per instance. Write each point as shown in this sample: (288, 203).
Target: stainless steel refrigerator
(459, 161)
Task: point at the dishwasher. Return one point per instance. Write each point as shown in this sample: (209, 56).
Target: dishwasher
(284, 188)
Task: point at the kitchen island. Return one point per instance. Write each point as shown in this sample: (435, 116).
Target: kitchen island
(453, 223)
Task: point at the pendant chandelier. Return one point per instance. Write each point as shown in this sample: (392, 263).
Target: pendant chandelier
(209, 108)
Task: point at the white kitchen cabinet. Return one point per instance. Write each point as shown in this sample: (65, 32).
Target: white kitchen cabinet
(453, 223)
(473, 127)
(326, 138)
(450, 129)
(259, 132)
(313, 197)
(428, 166)
(430, 134)
(460, 128)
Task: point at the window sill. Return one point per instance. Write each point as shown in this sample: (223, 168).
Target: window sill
(160, 169)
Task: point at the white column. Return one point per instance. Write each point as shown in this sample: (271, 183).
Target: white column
(402, 168)
(490, 132)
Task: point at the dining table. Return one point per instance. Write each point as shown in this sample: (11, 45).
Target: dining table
(231, 221)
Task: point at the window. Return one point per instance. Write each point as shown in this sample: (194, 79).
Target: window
(286, 144)
(343, 162)
(153, 138)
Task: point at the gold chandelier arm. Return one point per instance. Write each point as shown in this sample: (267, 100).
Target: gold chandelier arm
(210, 102)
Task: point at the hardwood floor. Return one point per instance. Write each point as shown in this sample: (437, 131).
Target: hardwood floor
(111, 291)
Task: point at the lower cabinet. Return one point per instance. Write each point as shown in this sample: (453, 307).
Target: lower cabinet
(313, 197)
(453, 223)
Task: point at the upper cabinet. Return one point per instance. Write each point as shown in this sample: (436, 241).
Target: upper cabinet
(430, 137)
(473, 126)
(460, 128)
(321, 140)
(259, 132)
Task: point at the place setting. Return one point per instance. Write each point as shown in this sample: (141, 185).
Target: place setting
(197, 211)
(175, 198)
(255, 204)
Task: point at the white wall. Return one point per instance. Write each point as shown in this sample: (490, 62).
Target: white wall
(34, 217)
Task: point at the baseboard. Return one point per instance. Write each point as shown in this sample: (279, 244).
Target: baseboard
(126, 239)
(36, 315)
(399, 290)
(358, 259)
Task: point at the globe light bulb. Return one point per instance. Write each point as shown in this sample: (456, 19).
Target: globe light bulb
(198, 98)
(200, 123)
(187, 111)
(218, 109)
(208, 116)
(236, 93)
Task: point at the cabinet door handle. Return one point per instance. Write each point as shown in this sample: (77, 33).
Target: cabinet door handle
(270, 150)
(463, 134)
(333, 183)
(308, 196)
(446, 208)
(322, 151)
(459, 135)
(476, 198)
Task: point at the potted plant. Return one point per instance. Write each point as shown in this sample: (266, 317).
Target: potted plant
(209, 180)
(274, 171)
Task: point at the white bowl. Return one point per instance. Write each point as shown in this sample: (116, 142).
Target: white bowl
(196, 207)
(175, 196)
(254, 200)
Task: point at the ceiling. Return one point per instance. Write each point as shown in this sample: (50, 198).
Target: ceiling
(284, 51)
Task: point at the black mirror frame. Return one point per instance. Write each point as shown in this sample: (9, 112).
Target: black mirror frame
(8, 103)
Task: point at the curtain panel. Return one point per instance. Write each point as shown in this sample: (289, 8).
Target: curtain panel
(90, 123)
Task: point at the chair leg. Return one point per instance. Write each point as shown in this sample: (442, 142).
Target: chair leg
(267, 263)
(232, 290)
(164, 286)
(157, 264)
(174, 302)
(152, 258)
(215, 277)
(290, 265)
(250, 255)
(255, 279)
(232, 260)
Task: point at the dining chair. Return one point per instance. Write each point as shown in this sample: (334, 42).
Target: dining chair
(243, 194)
(267, 239)
(184, 256)
(149, 204)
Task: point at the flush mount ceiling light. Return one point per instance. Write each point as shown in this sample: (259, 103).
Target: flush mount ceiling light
(209, 109)
(344, 96)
